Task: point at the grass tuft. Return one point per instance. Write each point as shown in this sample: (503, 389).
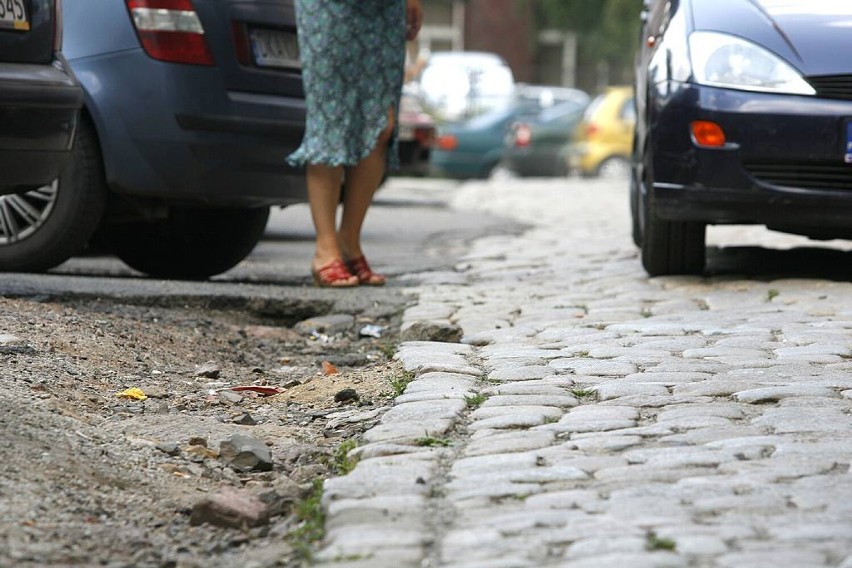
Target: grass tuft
(343, 463)
(311, 524)
(432, 442)
(475, 400)
(400, 382)
(653, 542)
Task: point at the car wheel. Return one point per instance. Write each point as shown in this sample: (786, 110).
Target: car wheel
(44, 227)
(614, 168)
(192, 244)
(671, 247)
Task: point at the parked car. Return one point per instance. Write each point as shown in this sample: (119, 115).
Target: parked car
(40, 104)
(743, 113)
(458, 85)
(539, 147)
(190, 110)
(416, 134)
(604, 138)
(473, 148)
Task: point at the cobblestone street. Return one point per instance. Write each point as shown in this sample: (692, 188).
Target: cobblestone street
(593, 417)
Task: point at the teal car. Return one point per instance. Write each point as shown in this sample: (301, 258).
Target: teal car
(473, 148)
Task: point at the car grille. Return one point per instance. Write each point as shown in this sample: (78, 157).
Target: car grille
(804, 175)
(832, 86)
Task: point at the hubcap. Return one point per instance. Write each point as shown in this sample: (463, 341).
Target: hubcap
(23, 214)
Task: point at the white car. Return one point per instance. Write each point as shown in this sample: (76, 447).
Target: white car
(457, 85)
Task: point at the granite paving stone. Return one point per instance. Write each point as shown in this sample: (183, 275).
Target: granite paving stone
(624, 421)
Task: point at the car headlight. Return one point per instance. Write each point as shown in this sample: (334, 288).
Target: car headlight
(721, 60)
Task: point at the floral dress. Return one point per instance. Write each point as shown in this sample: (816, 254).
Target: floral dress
(353, 59)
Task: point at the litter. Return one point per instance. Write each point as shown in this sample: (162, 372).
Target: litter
(321, 337)
(372, 331)
(328, 368)
(261, 390)
(133, 393)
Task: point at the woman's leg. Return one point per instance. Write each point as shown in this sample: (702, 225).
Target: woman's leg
(362, 181)
(324, 196)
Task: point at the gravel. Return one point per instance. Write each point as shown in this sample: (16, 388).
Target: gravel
(184, 471)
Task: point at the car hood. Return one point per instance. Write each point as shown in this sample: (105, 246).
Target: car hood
(809, 34)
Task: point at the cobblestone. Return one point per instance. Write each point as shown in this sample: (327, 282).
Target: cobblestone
(595, 417)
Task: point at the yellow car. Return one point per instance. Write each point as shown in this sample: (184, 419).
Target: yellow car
(603, 140)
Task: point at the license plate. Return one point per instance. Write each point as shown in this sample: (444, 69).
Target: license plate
(274, 48)
(13, 15)
(847, 157)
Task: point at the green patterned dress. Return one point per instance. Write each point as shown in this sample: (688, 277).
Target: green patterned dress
(353, 60)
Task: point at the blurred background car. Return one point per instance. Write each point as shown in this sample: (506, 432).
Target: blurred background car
(604, 138)
(744, 113)
(40, 104)
(416, 134)
(458, 85)
(190, 110)
(539, 146)
(473, 148)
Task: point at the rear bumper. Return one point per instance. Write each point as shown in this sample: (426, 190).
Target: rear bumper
(173, 132)
(39, 110)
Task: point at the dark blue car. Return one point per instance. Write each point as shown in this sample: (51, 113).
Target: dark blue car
(191, 107)
(744, 115)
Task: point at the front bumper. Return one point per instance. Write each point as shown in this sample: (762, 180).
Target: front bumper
(39, 110)
(783, 165)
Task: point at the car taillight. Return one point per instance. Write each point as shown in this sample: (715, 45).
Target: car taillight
(592, 130)
(57, 25)
(170, 31)
(447, 142)
(523, 135)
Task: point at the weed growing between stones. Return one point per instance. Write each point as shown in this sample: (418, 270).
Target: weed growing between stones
(432, 442)
(583, 394)
(311, 528)
(772, 294)
(474, 401)
(343, 462)
(399, 382)
(653, 542)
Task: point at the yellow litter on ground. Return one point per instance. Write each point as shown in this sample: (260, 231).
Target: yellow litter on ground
(133, 393)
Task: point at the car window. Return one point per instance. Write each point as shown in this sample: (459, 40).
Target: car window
(559, 112)
(593, 107)
(457, 86)
(628, 111)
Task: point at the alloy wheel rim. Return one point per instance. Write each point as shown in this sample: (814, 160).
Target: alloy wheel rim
(23, 214)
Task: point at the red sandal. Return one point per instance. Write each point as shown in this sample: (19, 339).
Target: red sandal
(360, 268)
(334, 274)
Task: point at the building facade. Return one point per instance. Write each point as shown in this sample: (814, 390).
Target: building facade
(505, 27)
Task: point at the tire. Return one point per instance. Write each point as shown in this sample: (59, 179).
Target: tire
(638, 178)
(670, 247)
(44, 227)
(191, 244)
(636, 221)
(614, 167)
